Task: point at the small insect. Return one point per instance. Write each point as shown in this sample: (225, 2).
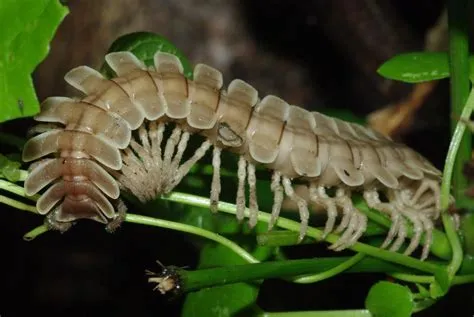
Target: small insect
(21, 106)
(168, 280)
(131, 133)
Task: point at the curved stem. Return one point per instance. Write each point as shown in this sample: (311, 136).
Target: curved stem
(331, 272)
(311, 232)
(458, 28)
(329, 313)
(16, 189)
(144, 220)
(445, 187)
(16, 204)
(29, 236)
(427, 279)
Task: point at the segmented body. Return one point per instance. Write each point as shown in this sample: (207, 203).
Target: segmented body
(93, 152)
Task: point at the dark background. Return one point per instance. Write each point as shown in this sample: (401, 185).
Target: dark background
(317, 54)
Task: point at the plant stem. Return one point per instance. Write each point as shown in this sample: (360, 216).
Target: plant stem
(279, 238)
(458, 15)
(16, 204)
(331, 272)
(35, 232)
(457, 280)
(330, 313)
(194, 230)
(445, 186)
(311, 232)
(193, 280)
(16, 189)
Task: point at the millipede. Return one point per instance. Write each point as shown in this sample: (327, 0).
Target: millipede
(85, 150)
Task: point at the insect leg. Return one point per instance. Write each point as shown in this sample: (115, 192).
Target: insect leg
(356, 225)
(427, 184)
(240, 200)
(183, 143)
(397, 228)
(302, 206)
(253, 204)
(318, 195)
(216, 182)
(277, 189)
(156, 137)
(119, 217)
(186, 166)
(169, 151)
(53, 224)
(412, 215)
(428, 228)
(144, 140)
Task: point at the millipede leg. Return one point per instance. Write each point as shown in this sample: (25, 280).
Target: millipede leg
(417, 229)
(142, 157)
(302, 206)
(51, 223)
(169, 151)
(360, 230)
(240, 200)
(344, 201)
(133, 174)
(373, 201)
(356, 228)
(318, 195)
(356, 225)
(155, 134)
(143, 136)
(216, 181)
(428, 228)
(277, 189)
(182, 145)
(186, 166)
(253, 204)
(156, 137)
(401, 235)
(421, 224)
(119, 218)
(425, 185)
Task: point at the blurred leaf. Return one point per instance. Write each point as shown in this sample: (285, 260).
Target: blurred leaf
(467, 228)
(221, 301)
(225, 300)
(26, 27)
(144, 45)
(416, 67)
(441, 287)
(387, 299)
(344, 114)
(9, 169)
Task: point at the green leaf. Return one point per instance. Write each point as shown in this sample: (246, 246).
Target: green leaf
(441, 286)
(220, 301)
(467, 229)
(9, 169)
(144, 45)
(416, 67)
(226, 300)
(344, 114)
(26, 27)
(387, 299)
